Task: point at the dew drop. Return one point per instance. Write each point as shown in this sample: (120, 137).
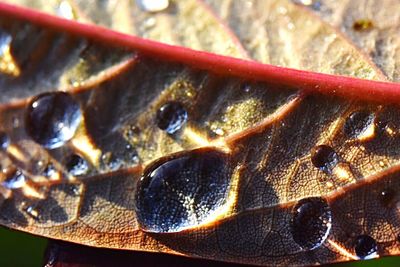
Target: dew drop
(5, 41)
(49, 171)
(171, 117)
(358, 124)
(183, 191)
(4, 140)
(153, 5)
(52, 119)
(32, 212)
(311, 222)
(324, 157)
(77, 166)
(65, 10)
(111, 162)
(14, 180)
(365, 247)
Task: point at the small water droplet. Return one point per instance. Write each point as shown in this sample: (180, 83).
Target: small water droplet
(246, 87)
(53, 118)
(366, 247)
(311, 222)
(14, 180)
(324, 157)
(111, 162)
(149, 23)
(77, 166)
(65, 10)
(358, 124)
(132, 155)
(4, 140)
(153, 5)
(183, 191)
(171, 117)
(387, 197)
(32, 212)
(49, 171)
(5, 41)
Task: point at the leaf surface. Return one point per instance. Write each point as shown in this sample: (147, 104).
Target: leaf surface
(266, 122)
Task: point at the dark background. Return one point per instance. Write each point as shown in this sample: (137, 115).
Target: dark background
(21, 249)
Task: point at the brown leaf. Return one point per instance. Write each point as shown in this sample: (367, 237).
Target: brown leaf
(378, 38)
(270, 149)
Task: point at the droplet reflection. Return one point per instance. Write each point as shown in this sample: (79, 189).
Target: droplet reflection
(184, 191)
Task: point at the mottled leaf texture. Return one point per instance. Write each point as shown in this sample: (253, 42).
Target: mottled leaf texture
(116, 142)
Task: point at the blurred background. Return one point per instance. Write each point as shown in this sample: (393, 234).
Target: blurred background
(20, 249)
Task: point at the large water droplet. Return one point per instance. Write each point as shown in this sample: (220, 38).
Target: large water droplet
(311, 222)
(324, 157)
(171, 117)
(358, 124)
(365, 247)
(183, 191)
(53, 118)
(4, 140)
(77, 166)
(14, 180)
(153, 5)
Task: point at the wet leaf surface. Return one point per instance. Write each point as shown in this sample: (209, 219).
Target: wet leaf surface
(157, 155)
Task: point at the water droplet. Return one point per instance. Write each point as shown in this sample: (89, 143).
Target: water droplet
(132, 155)
(153, 5)
(359, 124)
(14, 180)
(77, 166)
(183, 191)
(49, 171)
(171, 117)
(8, 65)
(324, 157)
(388, 197)
(5, 41)
(111, 162)
(311, 222)
(53, 118)
(65, 10)
(245, 87)
(32, 212)
(4, 140)
(365, 247)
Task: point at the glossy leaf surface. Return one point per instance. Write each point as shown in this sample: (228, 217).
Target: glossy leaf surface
(291, 158)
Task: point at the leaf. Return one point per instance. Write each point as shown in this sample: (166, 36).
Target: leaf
(275, 139)
(378, 38)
